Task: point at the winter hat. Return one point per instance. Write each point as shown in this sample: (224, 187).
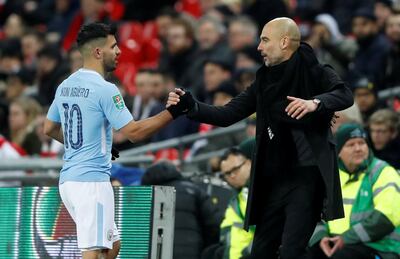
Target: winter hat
(247, 147)
(348, 131)
(331, 24)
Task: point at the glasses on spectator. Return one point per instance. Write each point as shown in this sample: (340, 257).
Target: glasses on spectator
(227, 174)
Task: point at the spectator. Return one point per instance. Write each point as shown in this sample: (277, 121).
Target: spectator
(382, 10)
(90, 11)
(51, 71)
(180, 126)
(372, 46)
(180, 53)
(242, 31)
(31, 42)
(163, 20)
(19, 84)
(247, 58)
(235, 170)
(216, 71)
(14, 27)
(330, 46)
(370, 193)
(366, 98)
(11, 57)
(212, 45)
(75, 59)
(351, 114)
(23, 113)
(384, 132)
(197, 219)
(144, 100)
(391, 68)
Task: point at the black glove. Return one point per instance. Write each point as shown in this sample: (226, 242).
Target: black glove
(114, 153)
(186, 103)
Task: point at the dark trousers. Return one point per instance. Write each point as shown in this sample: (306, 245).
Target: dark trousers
(357, 251)
(293, 206)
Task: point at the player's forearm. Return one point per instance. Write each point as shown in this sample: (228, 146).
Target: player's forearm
(145, 128)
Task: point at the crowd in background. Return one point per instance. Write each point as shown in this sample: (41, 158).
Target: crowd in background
(206, 46)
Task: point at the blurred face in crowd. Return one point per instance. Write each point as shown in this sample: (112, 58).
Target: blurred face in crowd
(17, 118)
(393, 28)
(75, 60)
(14, 27)
(177, 39)
(10, 64)
(235, 170)
(363, 27)
(220, 98)
(15, 87)
(382, 12)
(163, 22)
(30, 45)
(353, 153)
(207, 35)
(381, 134)
(364, 98)
(239, 36)
(207, 5)
(159, 87)
(46, 65)
(243, 61)
(214, 75)
(91, 8)
(144, 86)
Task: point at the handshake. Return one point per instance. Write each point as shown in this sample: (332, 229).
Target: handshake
(180, 102)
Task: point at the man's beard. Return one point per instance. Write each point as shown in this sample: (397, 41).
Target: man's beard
(109, 67)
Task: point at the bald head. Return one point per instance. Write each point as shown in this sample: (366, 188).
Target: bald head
(286, 27)
(278, 40)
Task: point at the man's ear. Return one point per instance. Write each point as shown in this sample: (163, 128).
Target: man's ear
(284, 43)
(98, 53)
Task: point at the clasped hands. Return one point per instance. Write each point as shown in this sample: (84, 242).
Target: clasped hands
(180, 102)
(329, 245)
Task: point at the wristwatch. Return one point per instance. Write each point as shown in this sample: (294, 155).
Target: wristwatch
(316, 101)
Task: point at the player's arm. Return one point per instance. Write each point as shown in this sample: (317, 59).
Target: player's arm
(53, 130)
(138, 130)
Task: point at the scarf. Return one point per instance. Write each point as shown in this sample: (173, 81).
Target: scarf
(300, 77)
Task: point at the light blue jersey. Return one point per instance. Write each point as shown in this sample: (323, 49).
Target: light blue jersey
(88, 107)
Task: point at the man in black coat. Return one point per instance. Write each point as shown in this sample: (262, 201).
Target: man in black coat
(294, 170)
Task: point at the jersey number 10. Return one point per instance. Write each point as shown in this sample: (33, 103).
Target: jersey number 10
(69, 125)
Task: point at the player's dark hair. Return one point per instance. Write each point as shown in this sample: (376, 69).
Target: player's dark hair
(94, 31)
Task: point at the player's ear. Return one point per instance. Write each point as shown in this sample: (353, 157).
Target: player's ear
(97, 52)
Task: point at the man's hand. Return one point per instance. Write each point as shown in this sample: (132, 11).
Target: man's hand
(338, 243)
(325, 246)
(180, 102)
(298, 107)
(114, 153)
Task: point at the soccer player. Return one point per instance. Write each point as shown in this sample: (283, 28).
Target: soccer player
(85, 109)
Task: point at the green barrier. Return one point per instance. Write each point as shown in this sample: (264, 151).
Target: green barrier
(35, 224)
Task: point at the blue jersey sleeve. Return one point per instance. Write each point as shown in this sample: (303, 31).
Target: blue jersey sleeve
(53, 113)
(114, 107)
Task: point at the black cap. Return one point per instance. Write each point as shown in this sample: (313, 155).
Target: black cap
(225, 64)
(365, 12)
(227, 87)
(26, 75)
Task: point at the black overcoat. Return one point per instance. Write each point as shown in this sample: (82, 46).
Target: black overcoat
(317, 133)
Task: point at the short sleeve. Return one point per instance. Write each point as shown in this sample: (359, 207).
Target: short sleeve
(53, 113)
(114, 107)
